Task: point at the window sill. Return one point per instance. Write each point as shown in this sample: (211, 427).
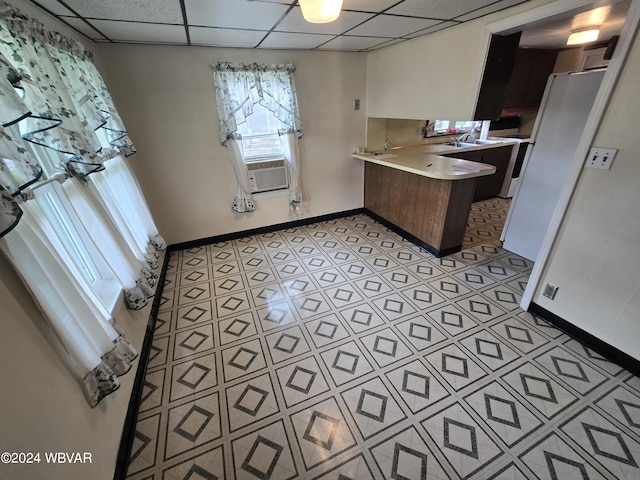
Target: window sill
(272, 194)
(110, 293)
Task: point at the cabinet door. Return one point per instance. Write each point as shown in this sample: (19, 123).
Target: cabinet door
(491, 185)
(519, 82)
(543, 63)
(497, 72)
(529, 78)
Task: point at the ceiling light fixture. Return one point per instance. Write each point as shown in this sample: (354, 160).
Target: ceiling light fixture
(583, 36)
(320, 11)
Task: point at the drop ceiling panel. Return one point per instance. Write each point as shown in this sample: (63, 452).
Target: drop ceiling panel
(391, 26)
(294, 40)
(489, 9)
(82, 27)
(225, 37)
(161, 11)
(435, 28)
(295, 22)
(234, 13)
(445, 10)
(141, 32)
(55, 7)
(345, 42)
(368, 5)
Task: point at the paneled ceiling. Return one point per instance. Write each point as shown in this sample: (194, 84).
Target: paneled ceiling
(363, 25)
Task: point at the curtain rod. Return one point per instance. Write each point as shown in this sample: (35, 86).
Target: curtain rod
(58, 177)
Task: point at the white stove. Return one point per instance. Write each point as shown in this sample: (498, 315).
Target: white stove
(512, 177)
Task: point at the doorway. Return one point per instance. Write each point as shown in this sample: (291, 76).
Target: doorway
(538, 17)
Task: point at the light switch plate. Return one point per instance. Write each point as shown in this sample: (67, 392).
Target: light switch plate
(601, 158)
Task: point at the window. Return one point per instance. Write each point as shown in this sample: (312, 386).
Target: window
(260, 126)
(68, 227)
(260, 139)
(444, 127)
(60, 214)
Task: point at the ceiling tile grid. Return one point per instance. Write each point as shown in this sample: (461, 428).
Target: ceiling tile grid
(363, 25)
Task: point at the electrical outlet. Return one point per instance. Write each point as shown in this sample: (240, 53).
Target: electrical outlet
(601, 158)
(550, 291)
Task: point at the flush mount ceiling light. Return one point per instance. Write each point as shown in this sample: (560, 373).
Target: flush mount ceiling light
(320, 11)
(583, 36)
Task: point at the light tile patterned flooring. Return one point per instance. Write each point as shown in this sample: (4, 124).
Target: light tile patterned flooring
(340, 351)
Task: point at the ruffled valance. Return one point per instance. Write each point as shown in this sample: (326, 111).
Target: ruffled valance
(240, 86)
(51, 95)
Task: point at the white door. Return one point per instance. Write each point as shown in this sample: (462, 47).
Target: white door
(559, 125)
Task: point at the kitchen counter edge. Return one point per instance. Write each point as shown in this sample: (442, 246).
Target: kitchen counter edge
(427, 161)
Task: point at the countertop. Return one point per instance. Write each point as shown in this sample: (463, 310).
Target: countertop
(427, 160)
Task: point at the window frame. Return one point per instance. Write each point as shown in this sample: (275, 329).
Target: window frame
(430, 131)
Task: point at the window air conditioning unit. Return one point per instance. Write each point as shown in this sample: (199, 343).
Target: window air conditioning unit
(265, 176)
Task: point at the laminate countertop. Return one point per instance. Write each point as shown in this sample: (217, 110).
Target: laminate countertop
(427, 161)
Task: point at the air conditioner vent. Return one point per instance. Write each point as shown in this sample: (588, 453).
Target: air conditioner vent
(266, 176)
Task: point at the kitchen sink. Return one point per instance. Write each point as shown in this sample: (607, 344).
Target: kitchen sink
(473, 143)
(453, 143)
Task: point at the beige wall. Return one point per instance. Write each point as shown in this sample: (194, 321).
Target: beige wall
(596, 257)
(42, 407)
(434, 76)
(165, 97)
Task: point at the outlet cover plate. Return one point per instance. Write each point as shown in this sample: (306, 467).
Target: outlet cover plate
(550, 291)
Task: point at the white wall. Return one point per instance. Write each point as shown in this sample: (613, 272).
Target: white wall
(165, 97)
(596, 258)
(434, 76)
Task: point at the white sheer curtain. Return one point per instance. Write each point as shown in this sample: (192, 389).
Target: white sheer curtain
(53, 97)
(118, 189)
(242, 202)
(238, 87)
(96, 349)
(136, 280)
(290, 148)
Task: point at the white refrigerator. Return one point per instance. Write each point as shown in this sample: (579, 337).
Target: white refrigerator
(563, 114)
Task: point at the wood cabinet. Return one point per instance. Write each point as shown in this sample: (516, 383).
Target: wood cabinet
(499, 157)
(500, 62)
(529, 77)
(514, 78)
(432, 211)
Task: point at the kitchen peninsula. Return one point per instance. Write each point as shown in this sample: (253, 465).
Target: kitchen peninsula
(423, 194)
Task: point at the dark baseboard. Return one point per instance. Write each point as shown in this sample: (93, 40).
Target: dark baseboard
(261, 230)
(412, 238)
(129, 428)
(594, 343)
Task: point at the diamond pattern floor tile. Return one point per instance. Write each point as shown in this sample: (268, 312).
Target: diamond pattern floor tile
(338, 350)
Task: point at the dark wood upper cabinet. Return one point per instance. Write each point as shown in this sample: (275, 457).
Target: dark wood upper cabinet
(514, 78)
(501, 59)
(530, 73)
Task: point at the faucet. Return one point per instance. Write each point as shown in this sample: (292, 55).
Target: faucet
(466, 137)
